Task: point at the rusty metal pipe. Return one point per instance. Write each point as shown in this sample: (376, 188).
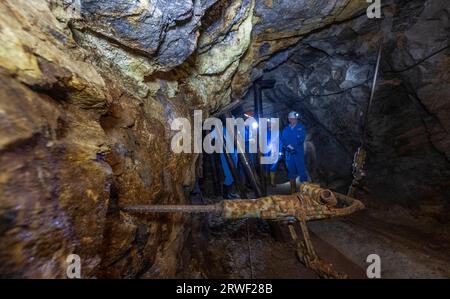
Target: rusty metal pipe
(258, 112)
(303, 206)
(217, 208)
(298, 206)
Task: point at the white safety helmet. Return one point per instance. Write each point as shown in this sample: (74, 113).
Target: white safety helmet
(293, 114)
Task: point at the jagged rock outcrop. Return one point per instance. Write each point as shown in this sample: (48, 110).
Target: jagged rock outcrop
(90, 89)
(327, 77)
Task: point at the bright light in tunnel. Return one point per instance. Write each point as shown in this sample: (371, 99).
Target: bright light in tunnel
(255, 125)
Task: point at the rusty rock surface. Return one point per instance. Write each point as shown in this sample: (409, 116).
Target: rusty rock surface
(88, 92)
(74, 143)
(88, 96)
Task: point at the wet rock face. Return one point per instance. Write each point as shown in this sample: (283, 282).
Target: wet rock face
(273, 34)
(75, 145)
(54, 187)
(89, 89)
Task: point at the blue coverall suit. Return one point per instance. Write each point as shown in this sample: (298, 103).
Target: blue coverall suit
(295, 161)
(228, 177)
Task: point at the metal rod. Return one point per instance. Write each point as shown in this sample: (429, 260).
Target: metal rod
(359, 157)
(262, 173)
(257, 105)
(257, 89)
(174, 208)
(372, 94)
(242, 191)
(245, 162)
(249, 173)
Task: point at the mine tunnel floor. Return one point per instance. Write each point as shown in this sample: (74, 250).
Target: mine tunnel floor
(252, 248)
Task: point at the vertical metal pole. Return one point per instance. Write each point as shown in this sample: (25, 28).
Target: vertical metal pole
(258, 114)
(249, 173)
(372, 95)
(359, 158)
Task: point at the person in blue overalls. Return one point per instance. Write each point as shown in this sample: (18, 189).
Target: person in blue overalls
(228, 177)
(293, 137)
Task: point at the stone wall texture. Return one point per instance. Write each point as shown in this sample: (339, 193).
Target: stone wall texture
(88, 90)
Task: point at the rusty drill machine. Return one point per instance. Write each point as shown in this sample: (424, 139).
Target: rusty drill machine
(311, 203)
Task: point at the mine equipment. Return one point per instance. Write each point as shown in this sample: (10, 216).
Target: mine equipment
(258, 87)
(311, 203)
(359, 158)
(359, 161)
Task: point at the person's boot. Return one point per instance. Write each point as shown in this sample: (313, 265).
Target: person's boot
(227, 192)
(293, 186)
(231, 194)
(272, 179)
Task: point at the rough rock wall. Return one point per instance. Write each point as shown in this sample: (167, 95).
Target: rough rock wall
(327, 77)
(54, 185)
(88, 90)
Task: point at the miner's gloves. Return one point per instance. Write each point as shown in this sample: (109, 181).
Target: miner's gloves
(290, 150)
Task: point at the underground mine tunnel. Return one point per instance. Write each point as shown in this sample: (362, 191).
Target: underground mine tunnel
(90, 184)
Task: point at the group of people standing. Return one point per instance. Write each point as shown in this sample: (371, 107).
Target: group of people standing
(291, 149)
